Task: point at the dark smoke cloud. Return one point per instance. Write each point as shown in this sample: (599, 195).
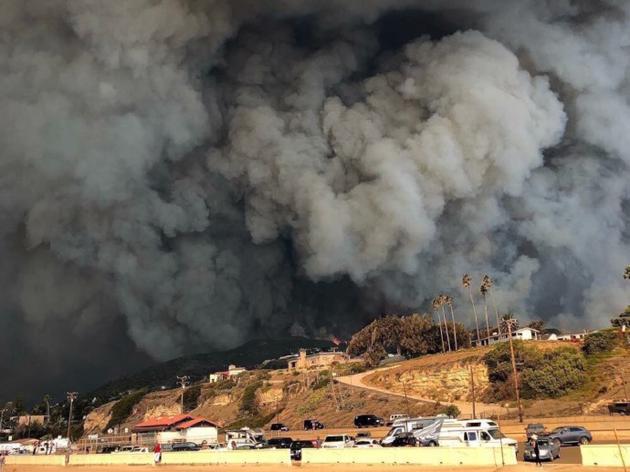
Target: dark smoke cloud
(184, 175)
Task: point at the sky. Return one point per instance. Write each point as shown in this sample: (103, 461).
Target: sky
(181, 176)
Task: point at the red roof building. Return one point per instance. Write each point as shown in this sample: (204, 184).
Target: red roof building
(172, 423)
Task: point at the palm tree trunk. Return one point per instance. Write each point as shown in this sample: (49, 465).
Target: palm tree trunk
(485, 304)
(441, 333)
(472, 302)
(496, 312)
(448, 337)
(454, 327)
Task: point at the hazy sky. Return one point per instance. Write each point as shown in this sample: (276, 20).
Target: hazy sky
(179, 176)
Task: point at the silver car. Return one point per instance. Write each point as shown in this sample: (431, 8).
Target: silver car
(549, 450)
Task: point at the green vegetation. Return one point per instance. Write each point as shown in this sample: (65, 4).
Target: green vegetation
(191, 397)
(123, 408)
(248, 406)
(543, 374)
(600, 342)
(450, 410)
(410, 336)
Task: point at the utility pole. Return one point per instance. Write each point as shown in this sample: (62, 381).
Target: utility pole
(509, 323)
(183, 380)
(71, 396)
(404, 384)
(472, 387)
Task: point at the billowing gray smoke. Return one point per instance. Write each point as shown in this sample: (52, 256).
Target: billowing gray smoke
(190, 174)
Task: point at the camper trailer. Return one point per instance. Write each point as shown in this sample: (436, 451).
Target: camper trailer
(472, 433)
(412, 425)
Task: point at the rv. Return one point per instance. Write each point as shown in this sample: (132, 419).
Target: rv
(412, 425)
(471, 433)
(244, 438)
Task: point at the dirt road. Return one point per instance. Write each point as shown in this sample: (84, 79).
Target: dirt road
(356, 380)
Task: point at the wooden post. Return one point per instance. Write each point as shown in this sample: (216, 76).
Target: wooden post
(515, 373)
(472, 384)
(625, 469)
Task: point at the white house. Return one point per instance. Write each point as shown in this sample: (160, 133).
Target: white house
(522, 334)
(232, 371)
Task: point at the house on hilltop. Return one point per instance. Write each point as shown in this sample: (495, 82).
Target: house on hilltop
(232, 371)
(521, 334)
(318, 360)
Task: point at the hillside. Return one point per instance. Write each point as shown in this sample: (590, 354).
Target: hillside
(198, 366)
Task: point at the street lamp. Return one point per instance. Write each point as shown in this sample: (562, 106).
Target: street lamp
(183, 380)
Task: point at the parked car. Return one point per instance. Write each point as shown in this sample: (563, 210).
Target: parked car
(365, 421)
(312, 424)
(305, 443)
(279, 427)
(338, 441)
(185, 446)
(535, 428)
(564, 435)
(549, 450)
(403, 440)
(279, 443)
(367, 443)
(621, 408)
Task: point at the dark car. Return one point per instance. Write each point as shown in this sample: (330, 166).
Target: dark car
(535, 428)
(365, 421)
(279, 443)
(570, 435)
(403, 440)
(548, 450)
(621, 408)
(312, 424)
(279, 427)
(305, 443)
(185, 446)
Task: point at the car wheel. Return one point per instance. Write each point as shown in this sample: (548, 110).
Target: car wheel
(432, 444)
(584, 440)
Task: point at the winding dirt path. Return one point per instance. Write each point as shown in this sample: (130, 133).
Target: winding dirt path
(465, 408)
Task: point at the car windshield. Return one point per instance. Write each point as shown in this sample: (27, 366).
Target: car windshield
(333, 439)
(557, 430)
(496, 434)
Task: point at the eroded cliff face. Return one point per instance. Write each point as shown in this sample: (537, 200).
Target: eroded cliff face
(444, 383)
(97, 419)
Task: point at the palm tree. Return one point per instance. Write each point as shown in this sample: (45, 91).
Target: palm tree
(47, 402)
(466, 282)
(489, 285)
(442, 299)
(436, 305)
(484, 291)
(449, 302)
(626, 273)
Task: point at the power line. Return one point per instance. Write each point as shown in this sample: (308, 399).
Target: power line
(184, 381)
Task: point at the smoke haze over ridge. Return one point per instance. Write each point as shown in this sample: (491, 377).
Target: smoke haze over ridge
(179, 176)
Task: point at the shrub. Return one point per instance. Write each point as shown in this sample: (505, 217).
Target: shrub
(451, 410)
(123, 408)
(191, 397)
(248, 401)
(561, 371)
(600, 342)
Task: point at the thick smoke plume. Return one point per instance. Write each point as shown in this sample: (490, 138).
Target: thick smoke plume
(184, 175)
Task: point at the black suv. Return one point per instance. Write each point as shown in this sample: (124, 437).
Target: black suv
(279, 427)
(365, 421)
(403, 440)
(312, 424)
(279, 443)
(621, 408)
(185, 446)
